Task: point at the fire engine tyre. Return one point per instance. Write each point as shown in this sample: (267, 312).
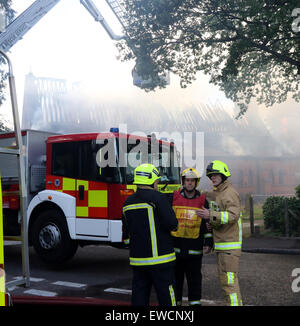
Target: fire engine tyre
(51, 239)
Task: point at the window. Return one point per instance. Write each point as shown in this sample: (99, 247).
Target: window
(271, 177)
(165, 160)
(250, 178)
(281, 177)
(88, 167)
(78, 160)
(64, 159)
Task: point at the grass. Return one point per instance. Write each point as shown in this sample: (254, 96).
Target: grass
(257, 211)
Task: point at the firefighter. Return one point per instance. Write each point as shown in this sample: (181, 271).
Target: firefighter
(191, 238)
(224, 217)
(148, 219)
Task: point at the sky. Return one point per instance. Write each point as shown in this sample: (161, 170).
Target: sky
(68, 43)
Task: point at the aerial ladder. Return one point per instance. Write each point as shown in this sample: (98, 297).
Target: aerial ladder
(34, 13)
(8, 38)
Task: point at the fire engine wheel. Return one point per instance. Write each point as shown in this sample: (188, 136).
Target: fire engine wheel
(51, 239)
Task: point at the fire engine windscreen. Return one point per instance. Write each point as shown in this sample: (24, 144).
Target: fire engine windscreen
(163, 157)
(77, 159)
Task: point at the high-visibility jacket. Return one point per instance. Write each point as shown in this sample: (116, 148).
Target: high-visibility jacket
(148, 219)
(192, 233)
(225, 217)
(2, 274)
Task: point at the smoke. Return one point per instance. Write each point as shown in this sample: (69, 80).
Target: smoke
(199, 108)
(282, 121)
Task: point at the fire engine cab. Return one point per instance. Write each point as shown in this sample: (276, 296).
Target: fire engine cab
(73, 199)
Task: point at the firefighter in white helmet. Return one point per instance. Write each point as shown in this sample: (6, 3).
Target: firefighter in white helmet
(191, 237)
(224, 217)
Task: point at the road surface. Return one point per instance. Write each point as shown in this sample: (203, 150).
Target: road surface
(102, 272)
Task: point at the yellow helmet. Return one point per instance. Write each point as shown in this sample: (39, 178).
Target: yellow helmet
(217, 167)
(190, 173)
(145, 174)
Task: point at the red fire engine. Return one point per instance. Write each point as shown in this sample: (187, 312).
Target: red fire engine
(71, 199)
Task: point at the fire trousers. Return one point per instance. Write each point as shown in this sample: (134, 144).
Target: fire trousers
(163, 280)
(228, 266)
(191, 268)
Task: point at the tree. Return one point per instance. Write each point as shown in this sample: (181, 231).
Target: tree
(3, 124)
(249, 48)
(10, 13)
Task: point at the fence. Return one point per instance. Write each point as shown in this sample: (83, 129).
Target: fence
(253, 201)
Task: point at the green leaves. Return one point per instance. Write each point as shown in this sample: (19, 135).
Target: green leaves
(273, 210)
(247, 47)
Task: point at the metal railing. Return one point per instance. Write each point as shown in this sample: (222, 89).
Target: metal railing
(19, 152)
(250, 202)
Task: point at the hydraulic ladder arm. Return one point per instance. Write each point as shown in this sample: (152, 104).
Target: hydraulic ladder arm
(34, 13)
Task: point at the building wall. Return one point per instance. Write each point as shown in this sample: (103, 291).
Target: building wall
(264, 176)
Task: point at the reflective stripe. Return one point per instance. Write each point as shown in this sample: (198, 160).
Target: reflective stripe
(84, 183)
(152, 260)
(143, 174)
(224, 217)
(169, 189)
(126, 241)
(240, 229)
(97, 198)
(172, 295)
(227, 245)
(231, 245)
(151, 223)
(95, 201)
(208, 235)
(2, 291)
(233, 299)
(190, 252)
(155, 259)
(195, 252)
(82, 211)
(68, 184)
(152, 231)
(230, 277)
(135, 206)
(195, 302)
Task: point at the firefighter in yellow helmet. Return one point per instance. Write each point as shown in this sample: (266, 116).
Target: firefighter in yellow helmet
(224, 218)
(148, 219)
(191, 238)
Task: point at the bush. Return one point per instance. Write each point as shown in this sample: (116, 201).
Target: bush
(298, 192)
(273, 210)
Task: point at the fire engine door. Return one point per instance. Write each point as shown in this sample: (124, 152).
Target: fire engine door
(91, 208)
(91, 195)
